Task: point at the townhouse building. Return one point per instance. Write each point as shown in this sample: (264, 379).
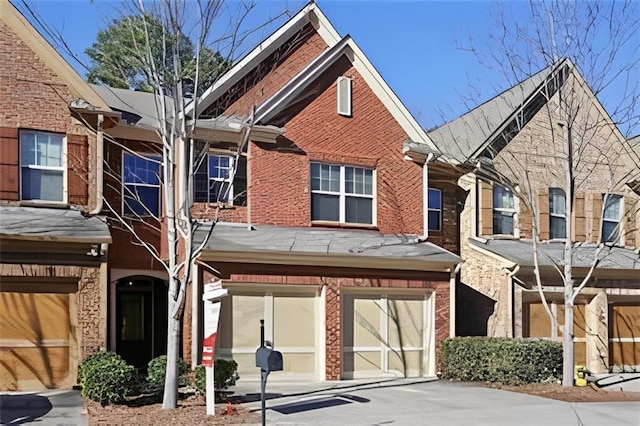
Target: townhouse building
(512, 152)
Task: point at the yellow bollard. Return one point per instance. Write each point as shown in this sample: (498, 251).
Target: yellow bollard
(578, 376)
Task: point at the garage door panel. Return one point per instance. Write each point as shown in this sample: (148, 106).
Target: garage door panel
(299, 362)
(34, 341)
(294, 321)
(367, 330)
(406, 362)
(367, 361)
(247, 313)
(405, 323)
(624, 337)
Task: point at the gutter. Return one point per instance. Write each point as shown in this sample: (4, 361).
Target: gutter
(99, 167)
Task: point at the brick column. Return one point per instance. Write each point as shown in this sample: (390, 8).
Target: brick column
(597, 334)
(333, 347)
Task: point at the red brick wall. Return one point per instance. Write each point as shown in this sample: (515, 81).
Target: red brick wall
(34, 97)
(303, 51)
(279, 186)
(447, 237)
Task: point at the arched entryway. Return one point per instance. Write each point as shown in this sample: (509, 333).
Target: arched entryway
(140, 319)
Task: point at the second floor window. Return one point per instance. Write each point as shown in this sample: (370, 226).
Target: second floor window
(557, 213)
(342, 194)
(435, 210)
(41, 166)
(504, 210)
(213, 180)
(611, 218)
(141, 184)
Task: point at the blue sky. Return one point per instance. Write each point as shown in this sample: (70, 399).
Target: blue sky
(415, 45)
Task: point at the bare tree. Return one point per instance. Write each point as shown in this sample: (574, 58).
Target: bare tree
(567, 140)
(176, 155)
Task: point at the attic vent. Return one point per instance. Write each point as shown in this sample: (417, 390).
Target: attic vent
(344, 96)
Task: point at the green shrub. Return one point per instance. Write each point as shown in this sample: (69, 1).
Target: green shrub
(501, 360)
(225, 375)
(157, 370)
(106, 378)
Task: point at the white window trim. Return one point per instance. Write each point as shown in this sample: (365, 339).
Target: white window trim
(514, 210)
(440, 210)
(151, 156)
(344, 84)
(63, 168)
(230, 179)
(620, 239)
(342, 195)
(563, 216)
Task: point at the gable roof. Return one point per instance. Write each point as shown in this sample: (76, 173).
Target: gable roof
(41, 47)
(346, 47)
(338, 47)
(465, 136)
(308, 14)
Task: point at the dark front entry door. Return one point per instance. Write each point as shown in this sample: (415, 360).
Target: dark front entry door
(141, 320)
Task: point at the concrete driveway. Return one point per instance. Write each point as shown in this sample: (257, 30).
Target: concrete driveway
(411, 402)
(47, 408)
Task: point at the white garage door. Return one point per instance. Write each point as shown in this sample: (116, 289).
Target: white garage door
(290, 324)
(34, 341)
(387, 335)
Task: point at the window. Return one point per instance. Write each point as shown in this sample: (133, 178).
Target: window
(344, 96)
(141, 184)
(557, 213)
(435, 210)
(213, 180)
(504, 210)
(42, 170)
(342, 194)
(611, 218)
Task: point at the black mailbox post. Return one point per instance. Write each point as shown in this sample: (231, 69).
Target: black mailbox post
(267, 360)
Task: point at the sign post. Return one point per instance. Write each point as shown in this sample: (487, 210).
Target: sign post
(213, 294)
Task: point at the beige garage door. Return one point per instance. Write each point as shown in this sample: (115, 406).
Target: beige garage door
(290, 324)
(536, 323)
(34, 341)
(386, 335)
(624, 337)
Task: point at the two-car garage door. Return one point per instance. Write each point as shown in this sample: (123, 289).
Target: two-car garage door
(34, 341)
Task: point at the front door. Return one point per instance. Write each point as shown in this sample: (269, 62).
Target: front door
(141, 320)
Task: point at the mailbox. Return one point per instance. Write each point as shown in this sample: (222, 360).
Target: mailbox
(268, 360)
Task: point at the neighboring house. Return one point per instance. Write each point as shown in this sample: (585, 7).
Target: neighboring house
(52, 256)
(327, 231)
(501, 144)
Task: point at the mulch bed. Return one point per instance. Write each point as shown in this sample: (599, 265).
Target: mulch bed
(145, 410)
(571, 394)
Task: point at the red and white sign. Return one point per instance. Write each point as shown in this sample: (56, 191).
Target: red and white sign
(208, 349)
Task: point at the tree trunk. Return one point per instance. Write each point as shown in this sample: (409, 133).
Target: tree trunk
(567, 339)
(170, 397)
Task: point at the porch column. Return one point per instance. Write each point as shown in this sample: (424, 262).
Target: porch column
(333, 321)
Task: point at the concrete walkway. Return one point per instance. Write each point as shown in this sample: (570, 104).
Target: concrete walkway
(417, 402)
(47, 408)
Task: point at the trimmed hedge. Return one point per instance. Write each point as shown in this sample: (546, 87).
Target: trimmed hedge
(106, 378)
(157, 370)
(501, 360)
(224, 375)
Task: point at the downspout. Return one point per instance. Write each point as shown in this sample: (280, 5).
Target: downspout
(425, 198)
(510, 274)
(452, 299)
(99, 167)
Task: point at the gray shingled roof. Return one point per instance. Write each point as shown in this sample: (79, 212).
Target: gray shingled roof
(138, 108)
(462, 137)
(521, 252)
(47, 224)
(323, 241)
